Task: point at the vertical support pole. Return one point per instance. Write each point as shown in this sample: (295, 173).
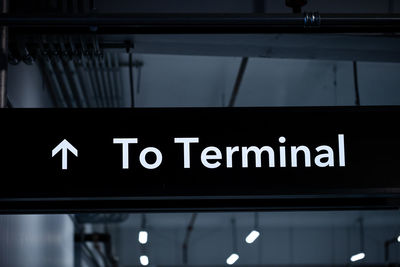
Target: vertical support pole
(234, 235)
(387, 243)
(131, 80)
(361, 221)
(3, 57)
(357, 91)
(256, 221)
(387, 247)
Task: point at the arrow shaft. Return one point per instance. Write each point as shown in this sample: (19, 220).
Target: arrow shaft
(64, 146)
(64, 158)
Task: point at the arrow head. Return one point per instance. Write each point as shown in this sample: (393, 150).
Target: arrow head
(64, 146)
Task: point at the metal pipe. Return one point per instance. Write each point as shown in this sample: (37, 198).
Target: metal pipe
(52, 83)
(60, 70)
(50, 77)
(131, 80)
(104, 258)
(118, 81)
(81, 65)
(90, 67)
(180, 19)
(96, 238)
(106, 83)
(204, 23)
(102, 71)
(111, 79)
(100, 82)
(121, 47)
(106, 80)
(93, 77)
(3, 57)
(48, 70)
(239, 77)
(65, 83)
(87, 81)
(74, 76)
(189, 23)
(90, 255)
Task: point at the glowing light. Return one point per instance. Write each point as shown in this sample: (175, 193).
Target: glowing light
(357, 257)
(144, 260)
(232, 259)
(252, 236)
(143, 237)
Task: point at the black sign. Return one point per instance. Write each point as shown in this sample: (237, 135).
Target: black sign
(195, 158)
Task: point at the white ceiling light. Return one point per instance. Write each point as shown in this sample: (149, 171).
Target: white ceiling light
(232, 258)
(252, 236)
(357, 257)
(144, 260)
(143, 236)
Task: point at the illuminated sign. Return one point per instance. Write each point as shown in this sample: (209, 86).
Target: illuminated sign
(193, 158)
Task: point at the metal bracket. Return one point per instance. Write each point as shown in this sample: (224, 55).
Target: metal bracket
(312, 20)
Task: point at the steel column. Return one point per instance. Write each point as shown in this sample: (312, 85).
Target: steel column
(3, 57)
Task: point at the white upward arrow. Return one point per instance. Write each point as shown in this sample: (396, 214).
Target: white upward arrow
(64, 146)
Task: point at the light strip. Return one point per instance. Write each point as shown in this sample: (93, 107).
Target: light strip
(357, 257)
(252, 236)
(232, 259)
(144, 260)
(143, 235)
